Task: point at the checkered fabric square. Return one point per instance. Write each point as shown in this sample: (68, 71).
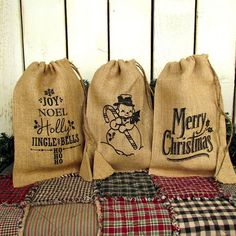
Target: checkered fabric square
(11, 219)
(229, 192)
(137, 217)
(229, 189)
(67, 189)
(136, 184)
(9, 194)
(187, 187)
(205, 217)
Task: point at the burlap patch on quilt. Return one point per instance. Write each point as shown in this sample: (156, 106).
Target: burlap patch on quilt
(66, 189)
(205, 217)
(187, 187)
(136, 217)
(136, 184)
(66, 219)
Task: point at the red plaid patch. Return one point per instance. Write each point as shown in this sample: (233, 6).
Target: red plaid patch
(187, 187)
(121, 216)
(9, 194)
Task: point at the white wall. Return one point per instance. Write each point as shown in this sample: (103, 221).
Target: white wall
(89, 32)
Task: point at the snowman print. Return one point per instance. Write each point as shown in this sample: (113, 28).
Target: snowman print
(123, 134)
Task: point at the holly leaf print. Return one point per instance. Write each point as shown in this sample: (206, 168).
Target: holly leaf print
(135, 118)
(36, 124)
(71, 124)
(207, 123)
(49, 92)
(210, 130)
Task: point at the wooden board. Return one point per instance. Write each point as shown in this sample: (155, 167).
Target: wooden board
(87, 35)
(11, 59)
(43, 30)
(216, 36)
(173, 31)
(81, 26)
(130, 31)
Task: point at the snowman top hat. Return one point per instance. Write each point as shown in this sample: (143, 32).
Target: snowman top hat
(125, 99)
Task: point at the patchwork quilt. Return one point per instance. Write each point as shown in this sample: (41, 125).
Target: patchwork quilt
(123, 204)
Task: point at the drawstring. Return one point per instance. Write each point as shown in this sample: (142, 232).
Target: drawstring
(148, 90)
(80, 79)
(221, 112)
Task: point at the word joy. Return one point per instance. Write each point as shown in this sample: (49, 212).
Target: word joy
(50, 101)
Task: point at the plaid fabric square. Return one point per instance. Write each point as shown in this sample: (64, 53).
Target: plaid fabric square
(187, 187)
(67, 219)
(120, 216)
(66, 189)
(229, 189)
(205, 217)
(9, 194)
(11, 219)
(136, 184)
(229, 192)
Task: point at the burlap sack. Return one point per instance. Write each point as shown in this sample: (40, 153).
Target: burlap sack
(119, 121)
(47, 122)
(189, 136)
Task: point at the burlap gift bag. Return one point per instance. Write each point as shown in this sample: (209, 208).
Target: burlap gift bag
(119, 121)
(189, 135)
(48, 105)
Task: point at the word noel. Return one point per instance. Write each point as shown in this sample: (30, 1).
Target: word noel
(189, 134)
(52, 127)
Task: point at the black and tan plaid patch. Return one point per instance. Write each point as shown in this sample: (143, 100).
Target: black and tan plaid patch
(12, 219)
(67, 189)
